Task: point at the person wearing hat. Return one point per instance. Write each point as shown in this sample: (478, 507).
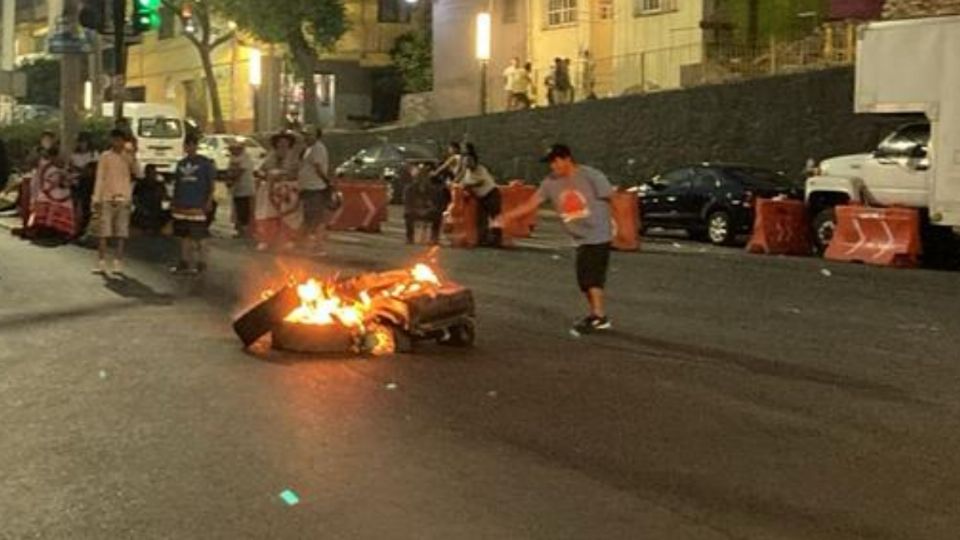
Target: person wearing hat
(241, 183)
(581, 195)
(277, 214)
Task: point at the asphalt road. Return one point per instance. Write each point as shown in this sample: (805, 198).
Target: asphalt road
(738, 397)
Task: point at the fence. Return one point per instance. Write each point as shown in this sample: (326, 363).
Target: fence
(696, 64)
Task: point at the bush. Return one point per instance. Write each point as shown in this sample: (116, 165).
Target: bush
(21, 139)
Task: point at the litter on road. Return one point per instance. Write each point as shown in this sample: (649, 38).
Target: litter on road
(290, 497)
(391, 386)
(826, 272)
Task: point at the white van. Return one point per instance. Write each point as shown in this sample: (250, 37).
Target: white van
(159, 130)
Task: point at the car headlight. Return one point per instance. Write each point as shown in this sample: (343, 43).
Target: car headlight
(389, 171)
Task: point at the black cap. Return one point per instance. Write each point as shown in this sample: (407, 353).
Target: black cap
(557, 151)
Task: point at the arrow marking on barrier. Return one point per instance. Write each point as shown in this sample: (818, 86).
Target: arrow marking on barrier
(888, 246)
(861, 240)
(371, 209)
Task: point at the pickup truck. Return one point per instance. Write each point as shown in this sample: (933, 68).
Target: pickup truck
(896, 173)
(903, 67)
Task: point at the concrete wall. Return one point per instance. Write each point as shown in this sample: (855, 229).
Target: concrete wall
(777, 122)
(650, 48)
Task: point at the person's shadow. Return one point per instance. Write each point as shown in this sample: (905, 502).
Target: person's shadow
(129, 287)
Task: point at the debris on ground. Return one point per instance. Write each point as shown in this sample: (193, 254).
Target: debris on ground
(826, 272)
(391, 386)
(290, 497)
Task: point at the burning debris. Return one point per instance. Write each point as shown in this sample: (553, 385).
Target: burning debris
(373, 313)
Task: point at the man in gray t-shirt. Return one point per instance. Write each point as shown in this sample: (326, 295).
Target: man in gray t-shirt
(581, 195)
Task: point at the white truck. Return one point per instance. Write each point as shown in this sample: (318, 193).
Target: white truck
(909, 66)
(160, 131)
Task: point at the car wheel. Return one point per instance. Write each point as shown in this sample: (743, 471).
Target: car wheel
(719, 228)
(824, 225)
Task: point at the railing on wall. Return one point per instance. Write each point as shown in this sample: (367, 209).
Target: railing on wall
(696, 64)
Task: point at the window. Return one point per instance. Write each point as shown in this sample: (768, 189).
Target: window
(674, 180)
(168, 23)
(653, 7)
(160, 128)
(509, 11)
(908, 141)
(561, 12)
(393, 11)
(605, 9)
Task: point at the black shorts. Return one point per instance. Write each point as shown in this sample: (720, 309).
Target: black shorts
(315, 202)
(592, 263)
(243, 209)
(194, 230)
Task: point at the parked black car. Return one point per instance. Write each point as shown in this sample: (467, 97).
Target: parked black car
(710, 201)
(386, 161)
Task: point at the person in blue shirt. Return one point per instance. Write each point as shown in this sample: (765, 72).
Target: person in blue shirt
(192, 201)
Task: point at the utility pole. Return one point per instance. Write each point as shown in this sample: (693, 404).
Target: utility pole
(71, 85)
(119, 58)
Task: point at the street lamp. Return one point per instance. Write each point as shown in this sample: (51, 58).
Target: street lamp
(483, 55)
(255, 73)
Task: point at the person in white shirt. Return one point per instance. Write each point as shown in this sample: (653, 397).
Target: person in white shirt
(242, 187)
(511, 74)
(315, 186)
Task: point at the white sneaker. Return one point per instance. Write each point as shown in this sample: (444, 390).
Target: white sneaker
(101, 267)
(118, 267)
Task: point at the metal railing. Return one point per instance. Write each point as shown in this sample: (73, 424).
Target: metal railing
(696, 64)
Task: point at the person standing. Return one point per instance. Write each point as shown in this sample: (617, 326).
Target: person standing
(112, 192)
(83, 164)
(314, 187)
(581, 195)
(277, 211)
(242, 187)
(510, 76)
(520, 89)
(192, 200)
(482, 186)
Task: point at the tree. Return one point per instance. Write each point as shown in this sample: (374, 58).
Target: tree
(307, 27)
(207, 34)
(412, 54)
(43, 81)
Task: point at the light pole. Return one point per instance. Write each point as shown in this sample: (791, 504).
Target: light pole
(483, 55)
(256, 78)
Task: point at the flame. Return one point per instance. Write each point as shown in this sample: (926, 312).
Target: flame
(322, 303)
(424, 274)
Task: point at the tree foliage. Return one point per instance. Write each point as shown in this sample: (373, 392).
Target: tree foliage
(307, 27)
(412, 54)
(43, 81)
(209, 33)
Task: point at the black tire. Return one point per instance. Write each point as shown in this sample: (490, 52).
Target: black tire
(463, 335)
(720, 230)
(824, 225)
(403, 342)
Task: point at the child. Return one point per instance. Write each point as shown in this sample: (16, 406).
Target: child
(192, 203)
(420, 204)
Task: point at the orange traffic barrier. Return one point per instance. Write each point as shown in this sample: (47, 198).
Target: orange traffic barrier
(781, 227)
(879, 236)
(364, 206)
(625, 221)
(513, 195)
(460, 221)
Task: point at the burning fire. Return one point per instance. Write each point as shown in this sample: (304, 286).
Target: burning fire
(321, 305)
(324, 303)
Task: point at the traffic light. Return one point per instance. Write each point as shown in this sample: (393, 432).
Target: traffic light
(146, 15)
